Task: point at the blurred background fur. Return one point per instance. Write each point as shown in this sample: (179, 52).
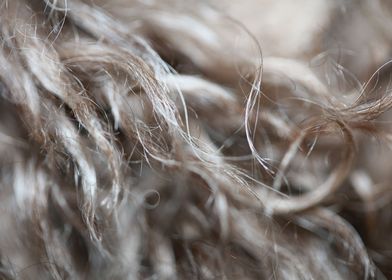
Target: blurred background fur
(195, 139)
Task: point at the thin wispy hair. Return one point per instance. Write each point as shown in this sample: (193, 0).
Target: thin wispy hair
(139, 140)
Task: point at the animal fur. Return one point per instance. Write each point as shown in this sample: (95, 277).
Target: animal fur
(195, 140)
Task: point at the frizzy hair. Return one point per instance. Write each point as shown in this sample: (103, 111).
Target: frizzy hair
(140, 141)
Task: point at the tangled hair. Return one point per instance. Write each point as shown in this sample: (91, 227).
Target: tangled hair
(154, 139)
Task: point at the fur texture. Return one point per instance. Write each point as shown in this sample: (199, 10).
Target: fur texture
(154, 140)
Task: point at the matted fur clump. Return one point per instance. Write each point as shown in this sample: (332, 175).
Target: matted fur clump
(155, 140)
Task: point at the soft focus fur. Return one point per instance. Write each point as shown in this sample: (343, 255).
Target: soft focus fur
(155, 139)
